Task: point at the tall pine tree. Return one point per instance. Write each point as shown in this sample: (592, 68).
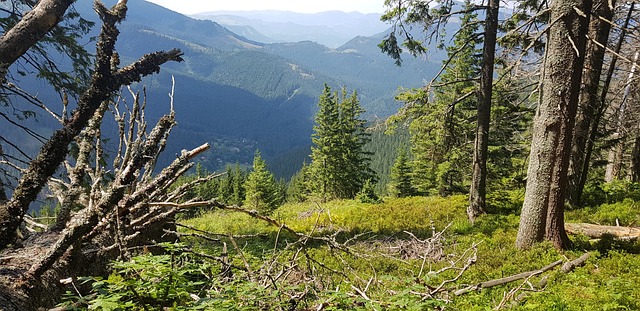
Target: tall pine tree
(339, 165)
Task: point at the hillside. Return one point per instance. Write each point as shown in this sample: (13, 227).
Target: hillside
(240, 94)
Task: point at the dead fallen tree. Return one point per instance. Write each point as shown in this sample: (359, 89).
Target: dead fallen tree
(106, 210)
(509, 279)
(598, 231)
(566, 268)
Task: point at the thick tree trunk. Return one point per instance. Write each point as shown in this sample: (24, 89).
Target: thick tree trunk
(478, 192)
(543, 209)
(599, 32)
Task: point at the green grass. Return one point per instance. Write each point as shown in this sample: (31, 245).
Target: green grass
(608, 281)
(397, 281)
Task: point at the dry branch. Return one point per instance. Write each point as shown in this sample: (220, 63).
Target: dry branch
(569, 266)
(103, 84)
(506, 280)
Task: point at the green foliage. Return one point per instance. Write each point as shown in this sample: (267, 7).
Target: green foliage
(262, 191)
(339, 165)
(598, 192)
(368, 193)
(428, 15)
(176, 281)
(607, 281)
(400, 180)
(384, 146)
(441, 122)
(149, 282)
(624, 213)
(63, 43)
(298, 188)
(509, 137)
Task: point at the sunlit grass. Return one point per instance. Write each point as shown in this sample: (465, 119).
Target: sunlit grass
(608, 281)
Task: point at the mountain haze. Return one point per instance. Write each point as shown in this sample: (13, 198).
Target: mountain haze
(331, 28)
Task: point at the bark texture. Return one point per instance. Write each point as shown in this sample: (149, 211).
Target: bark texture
(543, 209)
(602, 104)
(478, 192)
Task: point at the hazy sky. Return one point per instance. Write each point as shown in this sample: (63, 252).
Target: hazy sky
(302, 6)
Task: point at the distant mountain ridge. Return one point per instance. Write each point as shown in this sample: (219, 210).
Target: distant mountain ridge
(331, 28)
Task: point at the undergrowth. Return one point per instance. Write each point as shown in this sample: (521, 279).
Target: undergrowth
(383, 265)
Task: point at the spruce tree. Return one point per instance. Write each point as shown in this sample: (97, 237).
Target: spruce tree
(339, 165)
(225, 190)
(260, 187)
(356, 169)
(239, 178)
(325, 152)
(400, 179)
(298, 188)
(442, 127)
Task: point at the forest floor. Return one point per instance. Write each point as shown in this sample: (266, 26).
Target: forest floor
(421, 253)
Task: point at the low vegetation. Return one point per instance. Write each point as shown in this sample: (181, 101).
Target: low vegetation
(410, 253)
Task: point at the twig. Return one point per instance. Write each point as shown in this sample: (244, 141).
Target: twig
(246, 264)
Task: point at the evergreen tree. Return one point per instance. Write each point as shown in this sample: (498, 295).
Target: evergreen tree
(239, 178)
(339, 165)
(442, 127)
(325, 153)
(400, 180)
(225, 189)
(298, 188)
(280, 193)
(261, 188)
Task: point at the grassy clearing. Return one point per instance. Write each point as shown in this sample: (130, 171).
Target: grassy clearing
(608, 281)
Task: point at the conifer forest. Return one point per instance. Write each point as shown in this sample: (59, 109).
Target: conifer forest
(475, 155)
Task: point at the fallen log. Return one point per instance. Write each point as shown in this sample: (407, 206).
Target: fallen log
(598, 231)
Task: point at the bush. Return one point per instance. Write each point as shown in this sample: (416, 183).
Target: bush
(598, 193)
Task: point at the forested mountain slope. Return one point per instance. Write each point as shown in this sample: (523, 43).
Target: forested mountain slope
(239, 94)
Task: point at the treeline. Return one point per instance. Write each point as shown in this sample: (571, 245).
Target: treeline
(339, 168)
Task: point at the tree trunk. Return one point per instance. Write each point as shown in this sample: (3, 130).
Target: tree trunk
(543, 209)
(478, 192)
(602, 105)
(614, 165)
(599, 31)
(635, 160)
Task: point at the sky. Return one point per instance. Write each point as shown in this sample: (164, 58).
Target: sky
(301, 6)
